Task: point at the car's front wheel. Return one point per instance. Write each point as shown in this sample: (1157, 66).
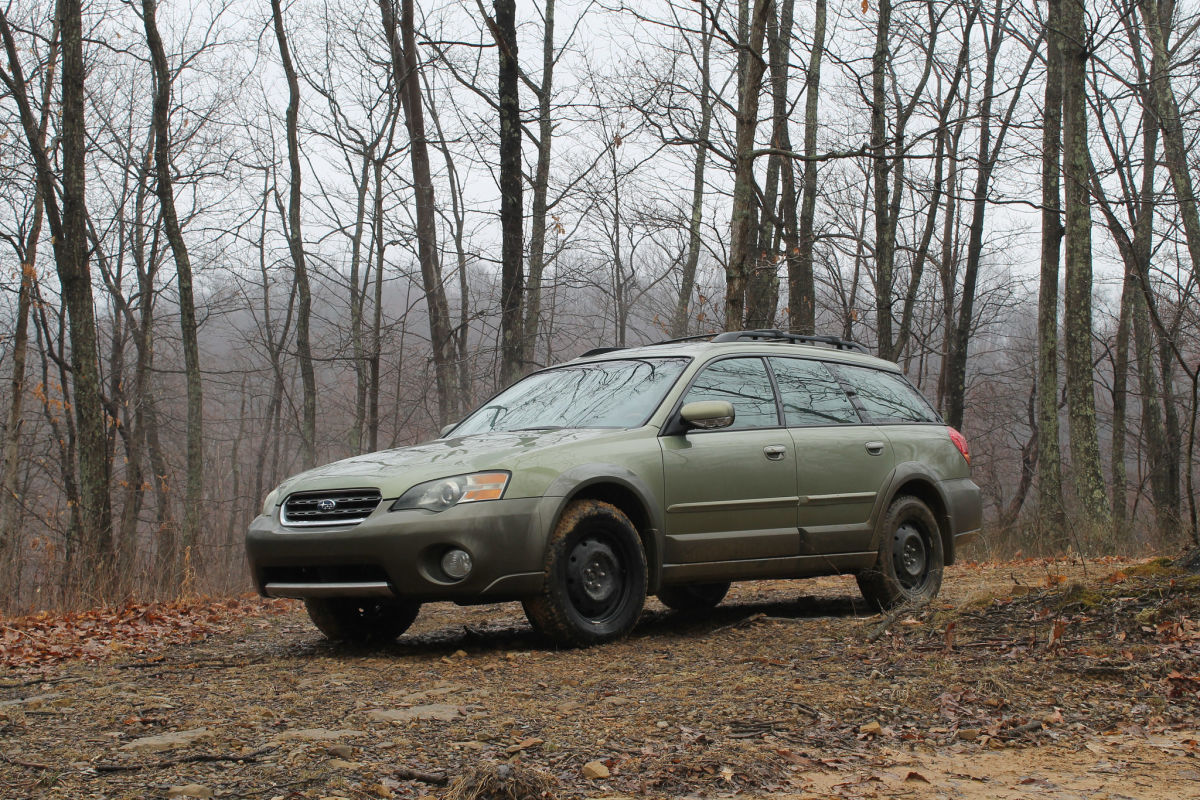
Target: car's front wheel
(910, 562)
(361, 620)
(693, 598)
(595, 577)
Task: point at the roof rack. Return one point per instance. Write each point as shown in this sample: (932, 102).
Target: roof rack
(699, 337)
(599, 351)
(763, 335)
(773, 335)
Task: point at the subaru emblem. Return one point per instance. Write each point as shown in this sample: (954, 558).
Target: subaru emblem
(326, 504)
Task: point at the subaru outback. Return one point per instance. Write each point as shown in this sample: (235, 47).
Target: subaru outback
(669, 470)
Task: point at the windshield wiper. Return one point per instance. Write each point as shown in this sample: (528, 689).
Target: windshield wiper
(538, 428)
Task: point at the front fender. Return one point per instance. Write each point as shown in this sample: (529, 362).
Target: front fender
(639, 496)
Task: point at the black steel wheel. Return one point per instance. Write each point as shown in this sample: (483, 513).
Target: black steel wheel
(361, 620)
(595, 577)
(694, 598)
(910, 562)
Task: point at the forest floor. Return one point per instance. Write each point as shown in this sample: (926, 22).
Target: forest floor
(1030, 679)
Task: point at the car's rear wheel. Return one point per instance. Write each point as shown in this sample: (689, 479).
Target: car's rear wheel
(910, 562)
(595, 577)
(693, 598)
(361, 620)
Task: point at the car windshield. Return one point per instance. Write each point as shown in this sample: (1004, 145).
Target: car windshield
(601, 394)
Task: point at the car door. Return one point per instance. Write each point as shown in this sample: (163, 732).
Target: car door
(731, 492)
(842, 463)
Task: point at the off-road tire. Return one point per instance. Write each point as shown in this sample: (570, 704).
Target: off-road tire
(910, 563)
(694, 598)
(361, 620)
(594, 583)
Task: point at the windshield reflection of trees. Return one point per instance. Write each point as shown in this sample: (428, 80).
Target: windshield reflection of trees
(609, 394)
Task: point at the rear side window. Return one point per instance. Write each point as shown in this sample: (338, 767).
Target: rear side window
(744, 382)
(810, 394)
(887, 397)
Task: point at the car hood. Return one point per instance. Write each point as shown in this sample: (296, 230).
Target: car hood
(397, 470)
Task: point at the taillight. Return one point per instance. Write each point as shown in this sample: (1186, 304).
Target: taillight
(960, 442)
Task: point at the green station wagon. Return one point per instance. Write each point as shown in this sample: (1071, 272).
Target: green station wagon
(667, 470)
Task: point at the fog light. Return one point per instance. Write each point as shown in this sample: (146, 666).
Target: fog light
(456, 564)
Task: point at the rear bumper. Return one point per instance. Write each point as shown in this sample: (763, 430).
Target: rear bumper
(964, 506)
(398, 554)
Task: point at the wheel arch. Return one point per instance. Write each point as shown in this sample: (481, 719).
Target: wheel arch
(911, 479)
(626, 491)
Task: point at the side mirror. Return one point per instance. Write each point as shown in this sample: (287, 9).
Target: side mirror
(442, 433)
(707, 414)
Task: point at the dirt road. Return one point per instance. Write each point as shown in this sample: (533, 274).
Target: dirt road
(1029, 680)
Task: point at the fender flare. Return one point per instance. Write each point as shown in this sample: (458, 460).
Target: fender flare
(648, 520)
(931, 494)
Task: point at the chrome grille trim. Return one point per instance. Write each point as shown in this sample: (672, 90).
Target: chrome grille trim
(299, 591)
(349, 507)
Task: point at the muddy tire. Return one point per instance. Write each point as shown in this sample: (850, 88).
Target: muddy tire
(361, 620)
(594, 582)
(693, 598)
(910, 563)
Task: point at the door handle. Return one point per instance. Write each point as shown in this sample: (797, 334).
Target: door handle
(875, 448)
(775, 452)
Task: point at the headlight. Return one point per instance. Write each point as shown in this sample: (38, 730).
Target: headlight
(269, 504)
(448, 492)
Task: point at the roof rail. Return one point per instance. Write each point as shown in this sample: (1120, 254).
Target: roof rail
(774, 335)
(599, 351)
(699, 337)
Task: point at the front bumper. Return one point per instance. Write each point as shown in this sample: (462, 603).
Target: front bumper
(398, 554)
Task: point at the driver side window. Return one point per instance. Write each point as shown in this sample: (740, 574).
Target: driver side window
(744, 382)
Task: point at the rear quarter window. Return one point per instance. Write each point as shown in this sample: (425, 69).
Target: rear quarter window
(886, 396)
(810, 394)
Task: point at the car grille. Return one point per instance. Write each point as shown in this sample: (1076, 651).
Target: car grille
(334, 507)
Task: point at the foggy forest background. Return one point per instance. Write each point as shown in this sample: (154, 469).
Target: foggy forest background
(241, 239)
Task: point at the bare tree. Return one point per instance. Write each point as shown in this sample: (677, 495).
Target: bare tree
(402, 42)
(742, 235)
(1077, 294)
(512, 221)
(1050, 497)
(295, 237)
(801, 286)
(193, 507)
(68, 227)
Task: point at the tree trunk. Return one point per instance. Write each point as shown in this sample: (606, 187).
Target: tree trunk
(377, 315)
(1174, 145)
(763, 282)
(1049, 483)
(512, 273)
(957, 368)
(801, 283)
(681, 319)
(1081, 402)
(1119, 403)
(68, 229)
(403, 44)
(358, 299)
(742, 238)
(193, 509)
(541, 188)
(295, 237)
(885, 244)
(10, 507)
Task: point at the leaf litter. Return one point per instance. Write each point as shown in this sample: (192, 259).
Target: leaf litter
(1034, 678)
